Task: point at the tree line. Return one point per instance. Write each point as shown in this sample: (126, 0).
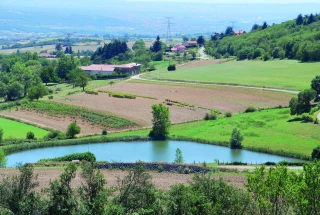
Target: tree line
(274, 190)
(296, 39)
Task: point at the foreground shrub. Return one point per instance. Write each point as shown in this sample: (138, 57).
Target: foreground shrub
(104, 132)
(316, 153)
(87, 156)
(172, 67)
(30, 135)
(250, 109)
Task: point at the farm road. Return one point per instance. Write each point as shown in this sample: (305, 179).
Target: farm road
(137, 77)
(203, 56)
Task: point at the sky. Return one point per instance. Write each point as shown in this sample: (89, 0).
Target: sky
(239, 1)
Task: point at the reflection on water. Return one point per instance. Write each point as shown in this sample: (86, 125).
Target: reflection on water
(149, 152)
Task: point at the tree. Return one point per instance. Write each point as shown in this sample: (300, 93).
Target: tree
(157, 46)
(311, 19)
(93, 193)
(37, 92)
(62, 200)
(236, 139)
(58, 47)
(3, 159)
(302, 104)
(229, 31)
(73, 75)
(67, 50)
(72, 130)
(315, 84)
(185, 38)
(30, 135)
(3, 89)
(299, 20)
(316, 153)
(201, 40)
(14, 91)
(65, 65)
(179, 156)
(264, 26)
(193, 54)
(254, 27)
(48, 74)
(82, 81)
(1, 135)
(161, 122)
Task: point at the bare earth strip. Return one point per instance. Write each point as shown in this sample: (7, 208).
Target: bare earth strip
(43, 120)
(161, 180)
(139, 110)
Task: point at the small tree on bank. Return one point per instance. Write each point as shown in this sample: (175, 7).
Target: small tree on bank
(37, 92)
(179, 156)
(72, 130)
(236, 139)
(161, 122)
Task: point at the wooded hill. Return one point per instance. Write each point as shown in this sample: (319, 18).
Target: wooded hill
(296, 39)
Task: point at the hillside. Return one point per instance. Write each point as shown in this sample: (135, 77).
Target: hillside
(296, 39)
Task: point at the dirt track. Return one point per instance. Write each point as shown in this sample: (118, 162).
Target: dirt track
(161, 180)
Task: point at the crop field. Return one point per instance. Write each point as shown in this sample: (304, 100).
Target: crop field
(284, 74)
(200, 100)
(13, 129)
(272, 130)
(59, 116)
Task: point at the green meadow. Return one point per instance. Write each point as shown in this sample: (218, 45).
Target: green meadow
(271, 130)
(283, 74)
(13, 129)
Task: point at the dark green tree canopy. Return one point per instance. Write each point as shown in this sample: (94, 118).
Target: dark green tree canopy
(264, 26)
(315, 84)
(201, 40)
(236, 139)
(299, 20)
(157, 45)
(36, 92)
(229, 31)
(161, 122)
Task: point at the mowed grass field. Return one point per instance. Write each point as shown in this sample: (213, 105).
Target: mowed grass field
(13, 129)
(268, 129)
(283, 74)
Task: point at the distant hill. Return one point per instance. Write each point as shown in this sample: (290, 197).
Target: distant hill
(296, 39)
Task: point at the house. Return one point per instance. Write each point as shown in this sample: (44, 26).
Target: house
(239, 32)
(190, 43)
(46, 55)
(178, 48)
(105, 69)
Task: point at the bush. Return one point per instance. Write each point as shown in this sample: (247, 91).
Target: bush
(172, 67)
(250, 109)
(215, 112)
(50, 97)
(186, 170)
(104, 132)
(228, 114)
(210, 116)
(306, 118)
(316, 153)
(160, 168)
(30, 135)
(72, 130)
(55, 135)
(87, 156)
(91, 92)
(1, 135)
(58, 89)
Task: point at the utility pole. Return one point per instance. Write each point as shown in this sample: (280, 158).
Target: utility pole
(169, 38)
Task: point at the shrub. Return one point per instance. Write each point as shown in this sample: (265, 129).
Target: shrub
(58, 89)
(72, 130)
(250, 109)
(186, 170)
(104, 132)
(228, 114)
(316, 153)
(210, 116)
(215, 112)
(179, 156)
(30, 135)
(180, 170)
(87, 156)
(160, 168)
(55, 135)
(172, 67)
(91, 92)
(306, 118)
(50, 97)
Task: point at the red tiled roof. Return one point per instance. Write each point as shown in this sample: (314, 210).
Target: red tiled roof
(239, 32)
(192, 42)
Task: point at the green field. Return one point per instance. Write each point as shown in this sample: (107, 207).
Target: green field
(268, 129)
(13, 129)
(285, 74)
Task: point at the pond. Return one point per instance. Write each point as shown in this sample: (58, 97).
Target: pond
(151, 151)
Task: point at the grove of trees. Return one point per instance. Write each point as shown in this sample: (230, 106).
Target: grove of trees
(296, 39)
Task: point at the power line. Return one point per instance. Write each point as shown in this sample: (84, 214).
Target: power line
(169, 38)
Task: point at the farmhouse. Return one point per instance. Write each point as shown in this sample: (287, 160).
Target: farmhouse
(178, 48)
(190, 43)
(105, 69)
(239, 32)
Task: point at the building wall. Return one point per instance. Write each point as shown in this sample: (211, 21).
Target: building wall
(95, 72)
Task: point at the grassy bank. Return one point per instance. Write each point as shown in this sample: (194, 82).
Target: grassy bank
(18, 130)
(272, 131)
(284, 74)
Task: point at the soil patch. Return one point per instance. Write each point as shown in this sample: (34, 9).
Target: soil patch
(197, 63)
(161, 180)
(212, 97)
